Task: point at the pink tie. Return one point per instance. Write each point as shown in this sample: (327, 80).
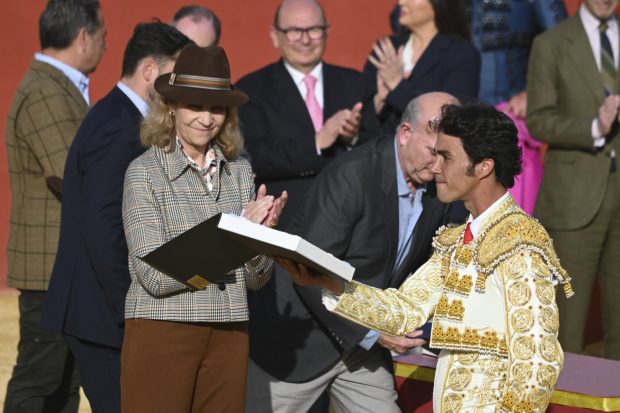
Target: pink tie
(316, 113)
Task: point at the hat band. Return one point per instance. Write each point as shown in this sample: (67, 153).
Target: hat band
(201, 82)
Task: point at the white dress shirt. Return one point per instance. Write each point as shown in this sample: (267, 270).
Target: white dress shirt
(590, 24)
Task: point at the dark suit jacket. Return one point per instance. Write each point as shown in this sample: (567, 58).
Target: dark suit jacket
(278, 130)
(86, 296)
(351, 211)
(565, 90)
(447, 65)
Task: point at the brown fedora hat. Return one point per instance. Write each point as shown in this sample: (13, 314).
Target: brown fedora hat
(201, 76)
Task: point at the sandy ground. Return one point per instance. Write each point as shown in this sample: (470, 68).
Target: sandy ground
(9, 334)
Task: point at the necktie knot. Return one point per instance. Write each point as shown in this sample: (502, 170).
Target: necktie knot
(603, 26)
(310, 82)
(468, 236)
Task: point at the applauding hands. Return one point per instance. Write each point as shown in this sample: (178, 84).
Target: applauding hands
(266, 209)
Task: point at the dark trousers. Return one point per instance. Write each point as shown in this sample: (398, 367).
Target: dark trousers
(169, 366)
(100, 373)
(45, 378)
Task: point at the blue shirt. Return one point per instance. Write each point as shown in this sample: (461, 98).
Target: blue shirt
(409, 212)
(79, 79)
(139, 103)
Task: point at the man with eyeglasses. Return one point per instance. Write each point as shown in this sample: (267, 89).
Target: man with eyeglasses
(302, 112)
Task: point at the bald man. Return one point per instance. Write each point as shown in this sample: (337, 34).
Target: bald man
(199, 24)
(374, 207)
(303, 112)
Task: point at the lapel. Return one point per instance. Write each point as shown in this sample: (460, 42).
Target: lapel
(389, 204)
(62, 80)
(331, 91)
(287, 93)
(578, 47)
(431, 57)
(124, 100)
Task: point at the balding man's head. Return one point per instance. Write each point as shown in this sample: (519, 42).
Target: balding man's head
(299, 33)
(199, 24)
(416, 136)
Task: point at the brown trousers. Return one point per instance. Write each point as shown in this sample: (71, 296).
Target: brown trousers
(169, 367)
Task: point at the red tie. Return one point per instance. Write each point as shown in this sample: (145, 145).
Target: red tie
(468, 237)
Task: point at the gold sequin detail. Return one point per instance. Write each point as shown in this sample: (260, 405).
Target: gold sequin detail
(546, 376)
(522, 372)
(454, 311)
(539, 399)
(524, 348)
(470, 339)
(481, 280)
(452, 403)
(549, 320)
(468, 358)
(459, 379)
(545, 293)
(549, 349)
(522, 320)
(519, 293)
(464, 254)
(513, 403)
(461, 285)
(514, 231)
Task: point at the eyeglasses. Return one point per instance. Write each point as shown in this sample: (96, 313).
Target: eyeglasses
(294, 34)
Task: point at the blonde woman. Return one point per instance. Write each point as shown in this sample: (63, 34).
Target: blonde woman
(187, 351)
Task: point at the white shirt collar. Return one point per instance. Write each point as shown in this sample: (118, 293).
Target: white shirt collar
(477, 223)
(298, 76)
(139, 103)
(591, 23)
(79, 79)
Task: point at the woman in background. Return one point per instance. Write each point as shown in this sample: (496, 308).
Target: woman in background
(432, 53)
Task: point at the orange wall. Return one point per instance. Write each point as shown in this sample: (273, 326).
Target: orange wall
(355, 25)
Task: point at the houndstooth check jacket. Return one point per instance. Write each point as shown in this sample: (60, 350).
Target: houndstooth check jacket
(44, 117)
(165, 196)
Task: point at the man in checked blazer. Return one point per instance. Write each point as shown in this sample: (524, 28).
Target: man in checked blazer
(47, 109)
(573, 104)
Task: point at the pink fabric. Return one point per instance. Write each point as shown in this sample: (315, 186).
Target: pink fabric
(315, 110)
(526, 185)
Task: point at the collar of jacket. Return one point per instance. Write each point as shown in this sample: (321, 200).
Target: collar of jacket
(176, 163)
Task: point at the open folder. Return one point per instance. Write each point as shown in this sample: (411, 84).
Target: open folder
(210, 251)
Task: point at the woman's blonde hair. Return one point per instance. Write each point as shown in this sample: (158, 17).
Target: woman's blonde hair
(158, 129)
